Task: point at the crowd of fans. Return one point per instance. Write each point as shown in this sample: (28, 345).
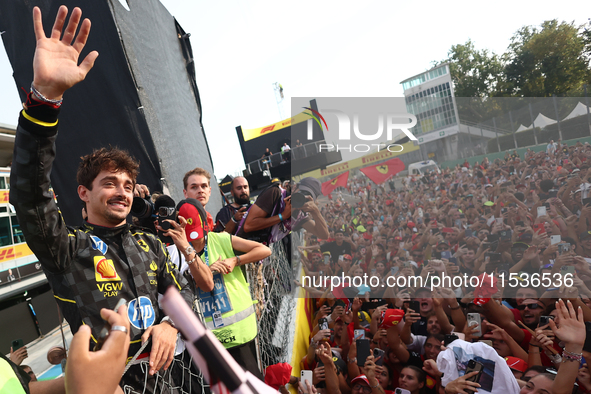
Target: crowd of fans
(519, 225)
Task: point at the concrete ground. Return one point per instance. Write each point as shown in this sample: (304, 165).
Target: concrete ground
(37, 350)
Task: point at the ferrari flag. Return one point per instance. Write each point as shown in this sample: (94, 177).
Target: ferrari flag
(380, 173)
(329, 186)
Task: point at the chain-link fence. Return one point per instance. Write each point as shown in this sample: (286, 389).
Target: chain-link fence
(271, 285)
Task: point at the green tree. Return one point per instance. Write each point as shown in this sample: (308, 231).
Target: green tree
(544, 61)
(474, 73)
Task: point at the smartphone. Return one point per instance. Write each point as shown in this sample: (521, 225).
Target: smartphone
(341, 257)
(17, 344)
(473, 366)
(166, 226)
(544, 320)
(474, 319)
(378, 355)
(362, 351)
(373, 271)
(587, 345)
(306, 375)
(401, 391)
(520, 223)
(539, 228)
(446, 254)
(322, 323)
(555, 239)
(586, 201)
(458, 223)
(104, 332)
(449, 338)
(492, 237)
(326, 259)
(504, 210)
(494, 258)
(505, 235)
(394, 270)
(415, 306)
(434, 231)
(542, 211)
(359, 334)
(552, 193)
(567, 269)
(469, 233)
(563, 248)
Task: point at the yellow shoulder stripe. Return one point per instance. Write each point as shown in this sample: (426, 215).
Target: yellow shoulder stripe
(65, 299)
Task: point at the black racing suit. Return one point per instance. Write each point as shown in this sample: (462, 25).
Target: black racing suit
(90, 267)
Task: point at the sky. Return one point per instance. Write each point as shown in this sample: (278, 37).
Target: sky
(319, 49)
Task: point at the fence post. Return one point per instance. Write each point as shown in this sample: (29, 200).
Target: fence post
(587, 104)
(513, 129)
(557, 117)
(533, 126)
(497, 133)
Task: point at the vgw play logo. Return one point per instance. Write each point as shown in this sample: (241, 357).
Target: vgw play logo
(387, 123)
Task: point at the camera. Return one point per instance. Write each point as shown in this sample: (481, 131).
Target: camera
(142, 208)
(298, 199)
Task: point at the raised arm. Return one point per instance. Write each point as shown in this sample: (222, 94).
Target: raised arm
(56, 69)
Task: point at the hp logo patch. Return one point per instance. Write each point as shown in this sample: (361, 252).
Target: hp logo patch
(97, 244)
(141, 313)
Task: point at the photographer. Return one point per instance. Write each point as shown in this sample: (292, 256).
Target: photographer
(274, 206)
(229, 216)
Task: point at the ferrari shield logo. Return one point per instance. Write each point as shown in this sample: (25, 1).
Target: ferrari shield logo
(383, 169)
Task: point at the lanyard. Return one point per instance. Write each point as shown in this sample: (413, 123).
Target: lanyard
(206, 255)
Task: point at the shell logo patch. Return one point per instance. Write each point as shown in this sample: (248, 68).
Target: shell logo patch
(104, 270)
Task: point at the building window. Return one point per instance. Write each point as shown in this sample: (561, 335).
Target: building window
(5, 234)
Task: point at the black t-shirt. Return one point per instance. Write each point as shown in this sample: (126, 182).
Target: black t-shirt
(223, 217)
(267, 201)
(336, 250)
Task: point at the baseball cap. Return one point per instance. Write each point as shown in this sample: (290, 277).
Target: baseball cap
(192, 210)
(311, 185)
(391, 318)
(518, 245)
(516, 364)
(410, 224)
(360, 378)
(489, 203)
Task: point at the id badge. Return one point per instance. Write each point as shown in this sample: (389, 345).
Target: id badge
(217, 319)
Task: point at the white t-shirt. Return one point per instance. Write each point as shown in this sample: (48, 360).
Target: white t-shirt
(496, 377)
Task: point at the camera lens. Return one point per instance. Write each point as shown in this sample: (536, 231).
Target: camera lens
(141, 208)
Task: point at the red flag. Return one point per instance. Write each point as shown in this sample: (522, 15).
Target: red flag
(329, 186)
(380, 173)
